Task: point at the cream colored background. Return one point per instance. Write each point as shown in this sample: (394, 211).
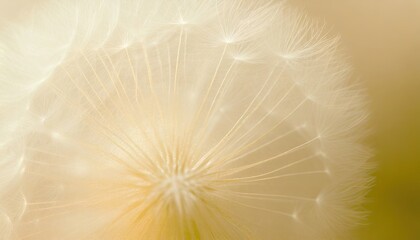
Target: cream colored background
(382, 37)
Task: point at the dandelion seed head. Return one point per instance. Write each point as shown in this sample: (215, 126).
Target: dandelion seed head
(177, 120)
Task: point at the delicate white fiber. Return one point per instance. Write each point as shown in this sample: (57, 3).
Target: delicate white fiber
(183, 119)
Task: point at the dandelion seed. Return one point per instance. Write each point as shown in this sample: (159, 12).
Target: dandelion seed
(177, 120)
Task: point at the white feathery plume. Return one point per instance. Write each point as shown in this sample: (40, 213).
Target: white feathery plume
(207, 119)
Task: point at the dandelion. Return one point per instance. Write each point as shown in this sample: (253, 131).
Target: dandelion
(177, 119)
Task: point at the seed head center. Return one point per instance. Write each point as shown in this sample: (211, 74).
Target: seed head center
(179, 191)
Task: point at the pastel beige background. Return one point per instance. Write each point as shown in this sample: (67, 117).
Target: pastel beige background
(382, 39)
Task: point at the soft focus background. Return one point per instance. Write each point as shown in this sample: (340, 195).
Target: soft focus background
(383, 40)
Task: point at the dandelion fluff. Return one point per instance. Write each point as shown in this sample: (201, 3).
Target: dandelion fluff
(177, 120)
